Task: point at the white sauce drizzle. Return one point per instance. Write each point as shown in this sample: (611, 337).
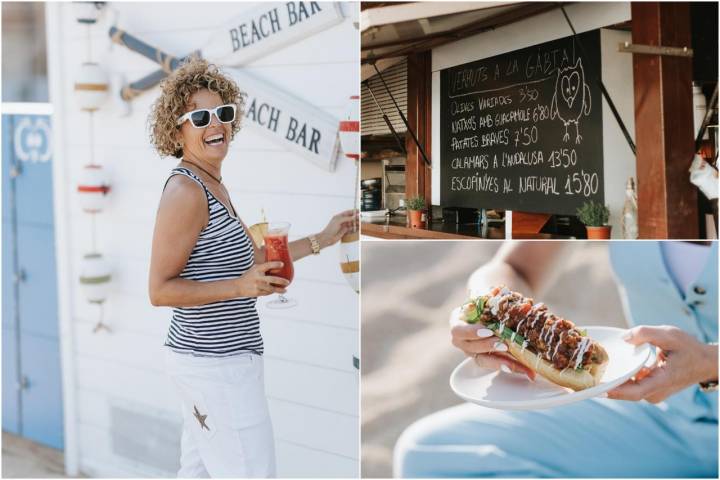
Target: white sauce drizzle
(542, 334)
(503, 321)
(518, 325)
(537, 317)
(557, 345)
(548, 342)
(582, 348)
(496, 300)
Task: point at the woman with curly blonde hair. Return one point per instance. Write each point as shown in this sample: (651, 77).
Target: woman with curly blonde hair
(206, 266)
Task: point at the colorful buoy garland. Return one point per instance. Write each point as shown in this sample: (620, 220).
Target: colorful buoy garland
(91, 91)
(350, 142)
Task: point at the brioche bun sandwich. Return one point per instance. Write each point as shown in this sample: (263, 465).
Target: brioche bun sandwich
(546, 343)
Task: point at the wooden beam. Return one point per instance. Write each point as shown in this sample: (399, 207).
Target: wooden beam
(368, 5)
(419, 104)
(667, 201)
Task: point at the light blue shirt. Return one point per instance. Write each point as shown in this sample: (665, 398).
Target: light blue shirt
(651, 297)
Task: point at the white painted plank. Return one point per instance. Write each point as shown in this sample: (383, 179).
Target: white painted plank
(301, 462)
(119, 380)
(313, 386)
(310, 343)
(316, 429)
(140, 351)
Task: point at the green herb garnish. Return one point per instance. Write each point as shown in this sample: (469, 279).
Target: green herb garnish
(506, 334)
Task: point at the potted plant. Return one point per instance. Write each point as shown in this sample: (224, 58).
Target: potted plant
(415, 207)
(595, 216)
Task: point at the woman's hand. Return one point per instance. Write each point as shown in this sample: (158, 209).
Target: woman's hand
(681, 361)
(338, 226)
(255, 282)
(487, 349)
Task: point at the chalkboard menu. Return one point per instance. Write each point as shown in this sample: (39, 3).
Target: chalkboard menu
(523, 130)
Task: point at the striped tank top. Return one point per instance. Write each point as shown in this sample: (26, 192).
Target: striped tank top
(223, 251)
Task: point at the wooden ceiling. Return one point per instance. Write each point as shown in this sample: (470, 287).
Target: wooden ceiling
(388, 41)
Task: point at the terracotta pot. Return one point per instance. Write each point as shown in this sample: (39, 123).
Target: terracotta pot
(416, 220)
(598, 233)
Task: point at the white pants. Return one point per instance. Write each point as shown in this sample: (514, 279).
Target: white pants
(226, 425)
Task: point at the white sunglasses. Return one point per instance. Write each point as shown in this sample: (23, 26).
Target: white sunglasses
(201, 117)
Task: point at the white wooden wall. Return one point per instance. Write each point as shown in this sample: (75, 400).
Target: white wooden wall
(311, 383)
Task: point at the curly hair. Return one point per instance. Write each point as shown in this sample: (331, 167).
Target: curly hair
(193, 75)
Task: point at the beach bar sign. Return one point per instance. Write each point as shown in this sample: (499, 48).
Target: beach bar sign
(267, 28)
(298, 126)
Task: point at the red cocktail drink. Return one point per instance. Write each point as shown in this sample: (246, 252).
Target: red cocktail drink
(277, 250)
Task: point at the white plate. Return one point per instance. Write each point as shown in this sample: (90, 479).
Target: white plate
(508, 391)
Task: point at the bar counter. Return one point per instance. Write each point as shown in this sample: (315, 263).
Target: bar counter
(397, 227)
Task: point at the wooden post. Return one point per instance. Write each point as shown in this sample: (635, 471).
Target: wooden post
(419, 102)
(667, 201)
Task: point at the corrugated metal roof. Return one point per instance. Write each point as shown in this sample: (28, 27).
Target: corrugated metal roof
(371, 118)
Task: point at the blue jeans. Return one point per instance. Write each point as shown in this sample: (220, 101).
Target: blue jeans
(593, 438)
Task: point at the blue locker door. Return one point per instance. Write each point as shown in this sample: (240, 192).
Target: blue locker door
(10, 366)
(40, 409)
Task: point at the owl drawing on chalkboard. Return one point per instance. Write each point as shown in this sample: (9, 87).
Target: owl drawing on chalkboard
(572, 99)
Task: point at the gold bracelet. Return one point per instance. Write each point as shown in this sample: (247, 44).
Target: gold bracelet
(711, 386)
(314, 244)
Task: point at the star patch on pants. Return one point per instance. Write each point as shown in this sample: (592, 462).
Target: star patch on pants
(200, 418)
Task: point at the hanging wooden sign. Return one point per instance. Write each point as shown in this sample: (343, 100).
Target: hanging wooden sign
(267, 28)
(296, 125)
(246, 37)
(293, 123)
